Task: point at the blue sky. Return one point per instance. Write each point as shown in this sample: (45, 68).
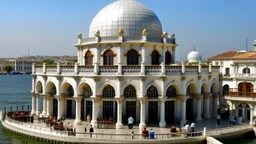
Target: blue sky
(50, 27)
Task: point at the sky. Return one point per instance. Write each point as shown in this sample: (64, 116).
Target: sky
(50, 27)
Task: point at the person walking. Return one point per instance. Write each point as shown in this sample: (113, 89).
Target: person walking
(91, 131)
(130, 122)
(218, 120)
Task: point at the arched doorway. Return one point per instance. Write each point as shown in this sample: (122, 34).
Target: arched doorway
(109, 107)
(86, 102)
(108, 57)
(130, 101)
(152, 95)
(245, 89)
(191, 89)
(244, 111)
(132, 57)
(171, 93)
(155, 57)
(70, 102)
(88, 58)
(168, 57)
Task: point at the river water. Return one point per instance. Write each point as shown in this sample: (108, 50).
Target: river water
(15, 90)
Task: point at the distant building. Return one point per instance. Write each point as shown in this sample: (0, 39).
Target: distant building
(238, 70)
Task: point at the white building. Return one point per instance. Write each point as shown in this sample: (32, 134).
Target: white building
(238, 69)
(125, 67)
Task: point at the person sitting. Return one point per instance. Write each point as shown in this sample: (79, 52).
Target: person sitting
(145, 133)
(192, 127)
(152, 134)
(173, 129)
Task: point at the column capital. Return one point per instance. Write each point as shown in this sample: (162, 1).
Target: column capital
(215, 94)
(95, 99)
(142, 99)
(198, 96)
(207, 95)
(162, 99)
(78, 98)
(182, 98)
(119, 99)
(60, 97)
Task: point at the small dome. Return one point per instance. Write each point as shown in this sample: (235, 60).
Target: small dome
(194, 56)
(128, 15)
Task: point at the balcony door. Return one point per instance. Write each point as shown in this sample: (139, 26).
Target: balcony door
(245, 89)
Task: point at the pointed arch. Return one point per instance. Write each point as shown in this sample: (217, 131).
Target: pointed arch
(204, 88)
(108, 92)
(51, 88)
(171, 92)
(130, 92)
(155, 58)
(191, 89)
(67, 89)
(88, 58)
(152, 92)
(85, 90)
(132, 57)
(39, 87)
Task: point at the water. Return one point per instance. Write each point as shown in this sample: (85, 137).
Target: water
(15, 90)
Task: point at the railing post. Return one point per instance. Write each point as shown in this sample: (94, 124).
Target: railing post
(33, 68)
(210, 67)
(162, 68)
(142, 71)
(76, 68)
(204, 133)
(96, 68)
(199, 67)
(183, 70)
(44, 68)
(58, 67)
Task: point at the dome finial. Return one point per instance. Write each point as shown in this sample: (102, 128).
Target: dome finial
(80, 35)
(120, 32)
(194, 48)
(165, 35)
(97, 34)
(144, 32)
(172, 35)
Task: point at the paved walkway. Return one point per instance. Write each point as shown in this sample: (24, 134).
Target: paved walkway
(208, 123)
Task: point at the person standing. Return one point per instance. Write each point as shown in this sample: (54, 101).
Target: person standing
(130, 122)
(230, 120)
(218, 120)
(91, 131)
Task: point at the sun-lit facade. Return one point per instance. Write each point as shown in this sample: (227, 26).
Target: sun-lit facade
(127, 67)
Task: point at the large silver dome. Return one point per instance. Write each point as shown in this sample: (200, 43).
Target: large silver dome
(129, 15)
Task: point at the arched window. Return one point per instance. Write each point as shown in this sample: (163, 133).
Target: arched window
(70, 91)
(155, 57)
(246, 70)
(132, 57)
(108, 58)
(152, 92)
(108, 92)
(54, 90)
(171, 92)
(225, 90)
(130, 92)
(87, 91)
(88, 58)
(39, 87)
(168, 57)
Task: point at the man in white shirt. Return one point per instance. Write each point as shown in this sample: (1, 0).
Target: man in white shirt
(192, 126)
(130, 122)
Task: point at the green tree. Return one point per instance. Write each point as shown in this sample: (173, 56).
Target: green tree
(7, 68)
(48, 61)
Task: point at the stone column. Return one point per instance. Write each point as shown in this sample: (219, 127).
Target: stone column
(60, 106)
(199, 107)
(162, 122)
(183, 107)
(142, 112)
(48, 105)
(251, 116)
(37, 105)
(214, 106)
(207, 105)
(33, 110)
(95, 108)
(78, 110)
(119, 124)
(44, 113)
(244, 111)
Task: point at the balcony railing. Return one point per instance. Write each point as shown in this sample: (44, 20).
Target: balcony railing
(135, 70)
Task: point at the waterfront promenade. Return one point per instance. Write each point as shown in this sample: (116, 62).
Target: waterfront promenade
(40, 131)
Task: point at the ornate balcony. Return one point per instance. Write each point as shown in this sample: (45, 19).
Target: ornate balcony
(125, 70)
(233, 94)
